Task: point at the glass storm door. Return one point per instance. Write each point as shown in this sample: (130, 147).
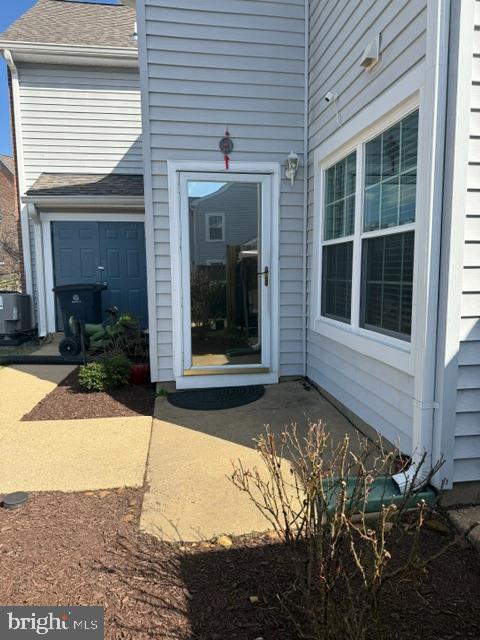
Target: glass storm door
(225, 246)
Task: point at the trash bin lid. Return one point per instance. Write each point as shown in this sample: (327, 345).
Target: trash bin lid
(97, 286)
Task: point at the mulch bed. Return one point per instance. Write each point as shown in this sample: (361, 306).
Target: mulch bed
(69, 401)
(85, 548)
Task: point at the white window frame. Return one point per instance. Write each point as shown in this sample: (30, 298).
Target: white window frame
(340, 239)
(208, 228)
(389, 349)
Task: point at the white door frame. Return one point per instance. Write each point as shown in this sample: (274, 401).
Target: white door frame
(216, 171)
(46, 220)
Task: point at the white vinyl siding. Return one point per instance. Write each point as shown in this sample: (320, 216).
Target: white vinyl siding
(339, 32)
(80, 120)
(213, 64)
(467, 430)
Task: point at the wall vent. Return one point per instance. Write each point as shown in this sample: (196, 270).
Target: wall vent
(371, 55)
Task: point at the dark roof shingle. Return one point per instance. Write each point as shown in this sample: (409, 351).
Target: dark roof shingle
(76, 23)
(84, 184)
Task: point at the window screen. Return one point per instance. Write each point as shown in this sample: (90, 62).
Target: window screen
(391, 176)
(340, 198)
(387, 280)
(337, 281)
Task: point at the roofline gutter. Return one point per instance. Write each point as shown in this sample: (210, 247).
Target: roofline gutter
(119, 202)
(117, 54)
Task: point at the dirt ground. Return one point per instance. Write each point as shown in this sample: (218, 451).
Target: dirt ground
(69, 401)
(85, 548)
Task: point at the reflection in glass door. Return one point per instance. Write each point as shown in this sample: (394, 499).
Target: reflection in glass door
(226, 289)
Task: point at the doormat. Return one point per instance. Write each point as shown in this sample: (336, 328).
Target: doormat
(216, 399)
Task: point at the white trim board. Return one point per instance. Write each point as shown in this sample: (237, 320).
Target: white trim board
(46, 259)
(251, 168)
(148, 192)
(68, 202)
(453, 233)
(71, 54)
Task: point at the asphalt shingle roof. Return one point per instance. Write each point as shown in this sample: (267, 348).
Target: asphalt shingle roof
(8, 162)
(76, 23)
(83, 184)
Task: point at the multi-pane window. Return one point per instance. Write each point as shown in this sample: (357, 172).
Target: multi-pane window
(215, 227)
(337, 281)
(391, 176)
(340, 198)
(339, 224)
(387, 280)
(385, 235)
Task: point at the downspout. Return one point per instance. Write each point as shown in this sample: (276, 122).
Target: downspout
(27, 259)
(34, 216)
(305, 188)
(424, 401)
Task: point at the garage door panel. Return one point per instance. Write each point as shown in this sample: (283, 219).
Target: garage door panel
(123, 247)
(65, 234)
(113, 264)
(132, 234)
(65, 259)
(133, 264)
(88, 264)
(88, 233)
(134, 298)
(75, 252)
(112, 234)
(112, 298)
(119, 247)
(76, 255)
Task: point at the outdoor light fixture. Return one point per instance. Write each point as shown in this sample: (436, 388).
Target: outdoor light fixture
(291, 166)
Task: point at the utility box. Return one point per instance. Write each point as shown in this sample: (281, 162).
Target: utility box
(15, 313)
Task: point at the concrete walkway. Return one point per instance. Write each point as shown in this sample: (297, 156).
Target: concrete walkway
(64, 455)
(190, 497)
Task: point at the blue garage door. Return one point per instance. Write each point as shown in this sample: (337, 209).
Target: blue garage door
(111, 252)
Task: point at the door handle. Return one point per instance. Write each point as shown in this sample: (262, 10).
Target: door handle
(265, 275)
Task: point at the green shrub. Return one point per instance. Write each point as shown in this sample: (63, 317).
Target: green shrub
(93, 376)
(110, 373)
(118, 370)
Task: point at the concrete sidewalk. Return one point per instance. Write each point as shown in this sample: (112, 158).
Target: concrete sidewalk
(190, 497)
(64, 455)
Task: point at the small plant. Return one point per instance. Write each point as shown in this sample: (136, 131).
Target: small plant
(315, 493)
(105, 375)
(161, 393)
(92, 376)
(117, 370)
